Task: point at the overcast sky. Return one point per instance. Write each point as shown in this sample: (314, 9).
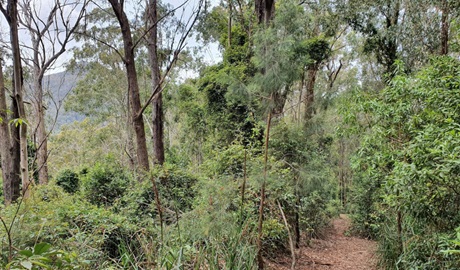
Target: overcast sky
(209, 52)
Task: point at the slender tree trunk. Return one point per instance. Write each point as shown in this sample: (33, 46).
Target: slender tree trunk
(297, 220)
(10, 172)
(41, 140)
(49, 40)
(260, 259)
(311, 80)
(391, 47)
(445, 28)
(279, 100)
(157, 104)
(229, 26)
(158, 130)
(343, 185)
(302, 85)
(18, 94)
(133, 86)
(130, 149)
(16, 147)
(291, 242)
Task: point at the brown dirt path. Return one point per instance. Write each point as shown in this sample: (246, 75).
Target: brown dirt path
(337, 252)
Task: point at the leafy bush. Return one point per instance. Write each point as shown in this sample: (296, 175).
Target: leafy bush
(71, 226)
(175, 187)
(407, 169)
(43, 256)
(68, 180)
(104, 183)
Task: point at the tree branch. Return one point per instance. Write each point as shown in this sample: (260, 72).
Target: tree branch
(158, 89)
(154, 24)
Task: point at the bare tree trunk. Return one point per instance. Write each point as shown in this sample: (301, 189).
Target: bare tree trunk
(291, 242)
(41, 138)
(309, 106)
(260, 259)
(279, 100)
(57, 31)
(265, 10)
(445, 28)
(10, 172)
(157, 103)
(297, 218)
(302, 84)
(391, 47)
(16, 147)
(11, 15)
(341, 164)
(133, 86)
(229, 26)
(130, 149)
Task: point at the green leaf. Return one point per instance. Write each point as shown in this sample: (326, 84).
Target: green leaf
(26, 253)
(26, 264)
(41, 248)
(40, 264)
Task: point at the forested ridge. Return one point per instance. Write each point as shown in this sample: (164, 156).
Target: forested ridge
(152, 150)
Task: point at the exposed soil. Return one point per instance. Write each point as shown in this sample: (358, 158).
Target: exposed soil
(337, 251)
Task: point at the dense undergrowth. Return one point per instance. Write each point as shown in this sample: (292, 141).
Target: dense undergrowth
(407, 170)
(106, 217)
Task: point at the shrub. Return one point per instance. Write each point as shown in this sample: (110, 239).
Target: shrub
(176, 190)
(68, 223)
(68, 180)
(406, 169)
(104, 183)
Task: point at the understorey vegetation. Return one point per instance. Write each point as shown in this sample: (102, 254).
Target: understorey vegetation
(202, 135)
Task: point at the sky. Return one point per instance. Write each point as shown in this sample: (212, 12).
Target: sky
(210, 52)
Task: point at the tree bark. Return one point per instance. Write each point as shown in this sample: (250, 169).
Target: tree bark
(310, 99)
(265, 10)
(8, 154)
(11, 15)
(445, 28)
(229, 25)
(157, 104)
(133, 86)
(390, 46)
(279, 100)
(40, 140)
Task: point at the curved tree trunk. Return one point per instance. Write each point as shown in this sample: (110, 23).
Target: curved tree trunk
(133, 86)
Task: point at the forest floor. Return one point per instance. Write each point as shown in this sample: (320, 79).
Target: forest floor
(336, 251)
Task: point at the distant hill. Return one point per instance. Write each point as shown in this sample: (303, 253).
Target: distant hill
(57, 87)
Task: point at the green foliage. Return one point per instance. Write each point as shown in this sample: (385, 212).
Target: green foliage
(455, 244)
(81, 144)
(408, 165)
(219, 113)
(104, 183)
(80, 234)
(42, 256)
(68, 180)
(175, 187)
(307, 155)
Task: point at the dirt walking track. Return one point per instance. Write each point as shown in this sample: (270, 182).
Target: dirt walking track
(337, 251)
